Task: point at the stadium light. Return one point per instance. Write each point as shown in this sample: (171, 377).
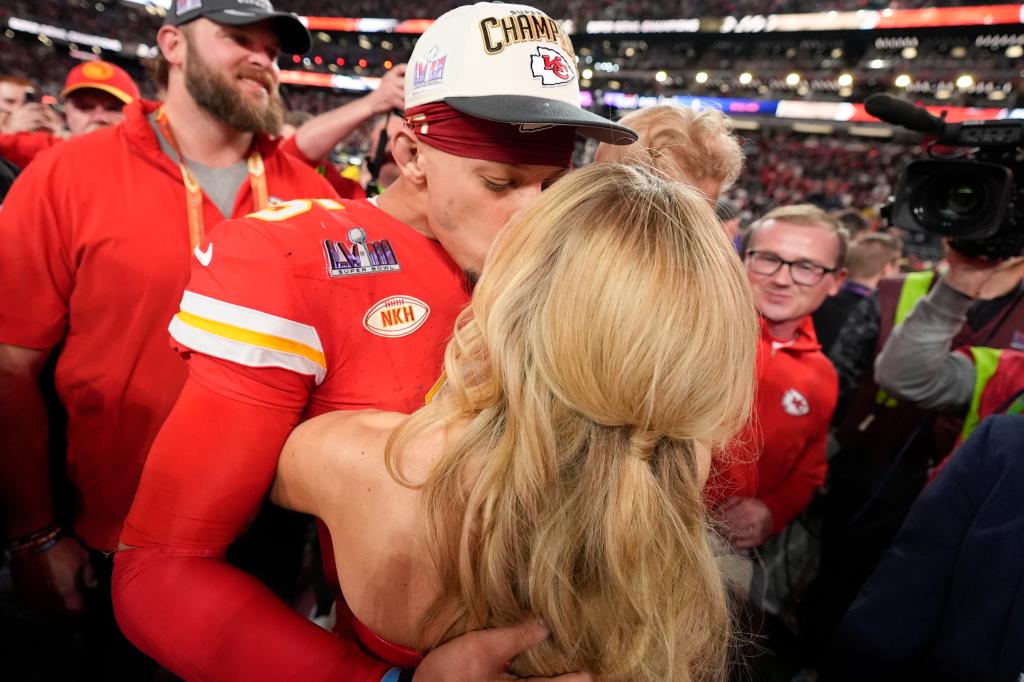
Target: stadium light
(965, 81)
(701, 77)
(903, 80)
(1015, 51)
(909, 52)
(746, 77)
(845, 80)
(793, 80)
(587, 74)
(661, 76)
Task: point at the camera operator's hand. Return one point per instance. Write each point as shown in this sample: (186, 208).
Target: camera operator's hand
(982, 278)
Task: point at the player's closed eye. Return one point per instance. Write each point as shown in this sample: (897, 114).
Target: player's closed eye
(498, 186)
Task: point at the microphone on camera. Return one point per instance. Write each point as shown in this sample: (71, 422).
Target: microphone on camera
(903, 113)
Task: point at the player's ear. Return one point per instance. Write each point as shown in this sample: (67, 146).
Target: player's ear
(407, 153)
(171, 40)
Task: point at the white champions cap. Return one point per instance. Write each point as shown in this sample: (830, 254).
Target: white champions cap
(475, 57)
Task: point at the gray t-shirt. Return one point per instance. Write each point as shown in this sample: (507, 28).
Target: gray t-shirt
(220, 184)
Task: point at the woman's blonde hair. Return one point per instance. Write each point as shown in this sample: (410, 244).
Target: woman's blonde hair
(685, 144)
(612, 332)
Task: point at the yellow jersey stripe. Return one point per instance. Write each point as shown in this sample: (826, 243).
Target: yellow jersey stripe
(242, 335)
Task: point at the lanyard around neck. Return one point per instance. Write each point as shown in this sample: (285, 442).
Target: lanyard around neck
(194, 192)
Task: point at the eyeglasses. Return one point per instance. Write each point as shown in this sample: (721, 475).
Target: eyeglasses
(805, 273)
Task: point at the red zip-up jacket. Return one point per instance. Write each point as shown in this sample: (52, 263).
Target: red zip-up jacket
(779, 457)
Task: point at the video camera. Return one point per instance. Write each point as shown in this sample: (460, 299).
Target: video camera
(975, 198)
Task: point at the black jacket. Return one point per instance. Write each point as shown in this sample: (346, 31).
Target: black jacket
(947, 600)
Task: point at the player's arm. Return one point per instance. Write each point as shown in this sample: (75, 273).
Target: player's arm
(253, 360)
(207, 473)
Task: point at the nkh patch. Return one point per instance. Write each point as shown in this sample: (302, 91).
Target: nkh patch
(794, 403)
(359, 256)
(551, 67)
(396, 316)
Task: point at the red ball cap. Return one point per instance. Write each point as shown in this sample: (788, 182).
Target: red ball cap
(102, 76)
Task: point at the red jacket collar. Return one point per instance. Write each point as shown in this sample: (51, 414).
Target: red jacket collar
(806, 339)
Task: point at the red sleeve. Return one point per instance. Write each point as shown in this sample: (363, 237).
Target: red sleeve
(175, 598)
(206, 621)
(36, 267)
(21, 148)
(244, 309)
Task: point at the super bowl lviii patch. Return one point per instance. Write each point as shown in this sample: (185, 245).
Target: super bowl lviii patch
(359, 256)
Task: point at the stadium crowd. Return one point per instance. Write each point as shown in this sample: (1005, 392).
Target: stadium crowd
(571, 394)
(109, 14)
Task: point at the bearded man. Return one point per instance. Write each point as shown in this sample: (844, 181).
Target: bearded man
(99, 232)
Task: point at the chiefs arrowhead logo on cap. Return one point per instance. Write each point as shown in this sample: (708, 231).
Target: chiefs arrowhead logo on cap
(551, 67)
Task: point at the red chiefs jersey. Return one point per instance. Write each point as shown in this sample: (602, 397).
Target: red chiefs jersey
(347, 307)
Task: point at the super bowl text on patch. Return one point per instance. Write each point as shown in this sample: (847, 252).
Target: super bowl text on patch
(359, 256)
(396, 316)
(430, 71)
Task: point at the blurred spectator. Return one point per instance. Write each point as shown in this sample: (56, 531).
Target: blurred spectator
(693, 147)
(887, 446)
(95, 94)
(794, 257)
(945, 603)
(99, 232)
(729, 214)
(869, 259)
(12, 96)
(854, 221)
(292, 121)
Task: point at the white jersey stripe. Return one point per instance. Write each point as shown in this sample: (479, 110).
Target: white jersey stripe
(248, 318)
(243, 353)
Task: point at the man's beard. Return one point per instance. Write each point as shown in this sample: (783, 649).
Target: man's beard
(216, 93)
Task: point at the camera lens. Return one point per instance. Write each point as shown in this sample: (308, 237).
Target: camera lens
(956, 203)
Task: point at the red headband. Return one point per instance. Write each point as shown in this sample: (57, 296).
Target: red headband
(451, 131)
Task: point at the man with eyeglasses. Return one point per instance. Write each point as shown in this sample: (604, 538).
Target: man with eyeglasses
(794, 257)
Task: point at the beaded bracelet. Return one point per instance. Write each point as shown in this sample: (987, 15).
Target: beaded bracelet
(39, 541)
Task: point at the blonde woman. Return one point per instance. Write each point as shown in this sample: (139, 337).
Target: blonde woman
(608, 349)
